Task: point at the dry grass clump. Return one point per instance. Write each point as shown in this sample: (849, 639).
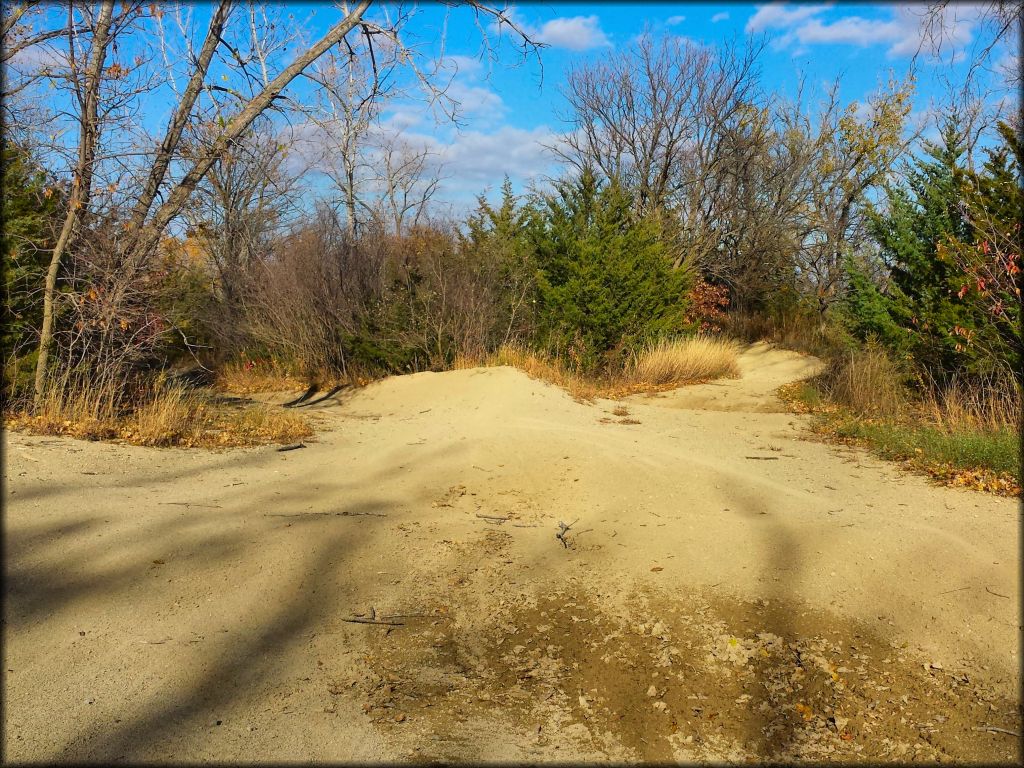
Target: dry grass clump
(867, 381)
(801, 331)
(166, 416)
(683, 361)
(990, 403)
(664, 365)
(251, 376)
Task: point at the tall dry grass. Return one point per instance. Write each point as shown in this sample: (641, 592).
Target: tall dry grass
(162, 415)
(683, 361)
(259, 376)
(987, 403)
(548, 369)
(661, 365)
(867, 381)
(801, 331)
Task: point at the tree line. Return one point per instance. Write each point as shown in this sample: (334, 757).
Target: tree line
(688, 196)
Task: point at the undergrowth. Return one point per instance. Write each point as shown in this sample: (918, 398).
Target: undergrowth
(167, 415)
(662, 365)
(924, 436)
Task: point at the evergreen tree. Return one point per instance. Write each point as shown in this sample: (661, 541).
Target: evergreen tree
(497, 245)
(29, 210)
(988, 265)
(605, 280)
(924, 212)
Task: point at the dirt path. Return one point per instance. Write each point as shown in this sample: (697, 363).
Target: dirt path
(729, 590)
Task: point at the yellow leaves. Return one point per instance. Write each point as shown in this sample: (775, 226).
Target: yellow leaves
(804, 710)
(115, 71)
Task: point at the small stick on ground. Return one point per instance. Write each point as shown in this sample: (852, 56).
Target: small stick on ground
(996, 593)
(994, 729)
(763, 458)
(356, 620)
(292, 447)
(564, 529)
(494, 517)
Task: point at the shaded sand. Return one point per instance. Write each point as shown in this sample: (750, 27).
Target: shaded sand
(729, 590)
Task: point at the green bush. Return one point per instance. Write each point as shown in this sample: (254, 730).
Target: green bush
(605, 281)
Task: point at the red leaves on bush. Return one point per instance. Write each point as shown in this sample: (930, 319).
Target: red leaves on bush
(707, 305)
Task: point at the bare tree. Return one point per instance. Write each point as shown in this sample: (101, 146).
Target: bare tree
(88, 93)
(406, 182)
(167, 178)
(247, 198)
(642, 114)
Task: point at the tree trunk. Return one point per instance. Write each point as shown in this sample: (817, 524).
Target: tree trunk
(235, 128)
(81, 185)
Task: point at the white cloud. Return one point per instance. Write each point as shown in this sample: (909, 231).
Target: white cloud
(719, 17)
(904, 32)
(463, 66)
(475, 99)
(781, 16)
(852, 30)
(674, 20)
(575, 33)
(473, 160)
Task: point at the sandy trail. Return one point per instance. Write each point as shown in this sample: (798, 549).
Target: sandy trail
(730, 591)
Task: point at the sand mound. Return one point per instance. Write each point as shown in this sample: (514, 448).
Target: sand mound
(784, 599)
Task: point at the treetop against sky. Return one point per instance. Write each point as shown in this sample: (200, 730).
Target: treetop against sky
(511, 108)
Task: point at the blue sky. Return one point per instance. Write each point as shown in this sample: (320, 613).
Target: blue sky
(509, 113)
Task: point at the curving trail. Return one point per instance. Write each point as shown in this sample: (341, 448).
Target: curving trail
(731, 591)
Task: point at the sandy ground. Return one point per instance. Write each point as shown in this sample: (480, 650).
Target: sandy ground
(728, 590)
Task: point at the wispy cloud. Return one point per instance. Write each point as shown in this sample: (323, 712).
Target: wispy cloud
(675, 20)
(904, 31)
(574, 33)
(781, 16)
(719, 17)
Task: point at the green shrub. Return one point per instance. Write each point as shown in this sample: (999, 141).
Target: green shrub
(605, 281)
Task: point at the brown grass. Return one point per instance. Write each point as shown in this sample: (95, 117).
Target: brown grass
(166, 416)
(662, 366)
(803, 332)
(989, 404)
(247, 377)
(683, 361)
(867, 381)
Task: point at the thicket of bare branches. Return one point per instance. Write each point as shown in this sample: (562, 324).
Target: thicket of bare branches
(103, 65)
(762, 196)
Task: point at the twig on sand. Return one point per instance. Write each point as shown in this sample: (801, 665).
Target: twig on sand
(292, 447)
(950, 591)
(494, 517)
(996, 593)
(763, 458)
(994, 729)
(564, 529)
(187, 504)
(375, 621)
(344, 513)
